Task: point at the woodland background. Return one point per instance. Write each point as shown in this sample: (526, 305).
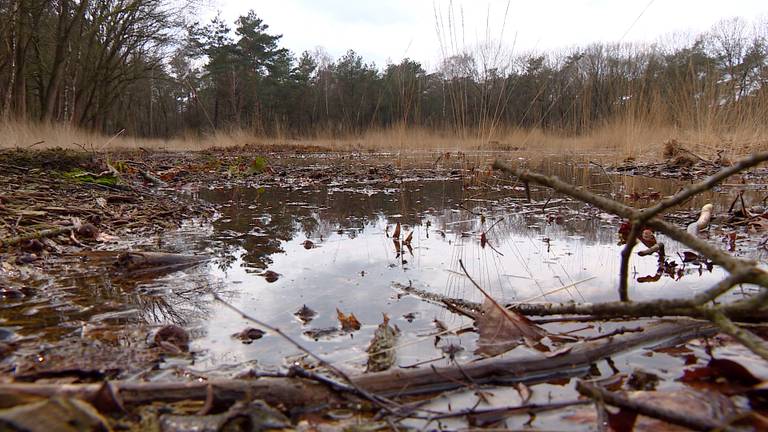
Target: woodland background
(147, 67)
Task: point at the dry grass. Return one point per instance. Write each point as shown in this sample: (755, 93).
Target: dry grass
(615, 141)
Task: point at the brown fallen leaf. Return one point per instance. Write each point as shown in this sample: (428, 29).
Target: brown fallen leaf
(647, 238)
(305, 314)
(249, 334)
(501, 330)
(726, 376)
(381, 352)
(650, 278)
(271, 276)
(348, 322)
(704, 404)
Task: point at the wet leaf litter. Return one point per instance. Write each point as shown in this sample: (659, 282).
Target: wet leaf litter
(116, 286)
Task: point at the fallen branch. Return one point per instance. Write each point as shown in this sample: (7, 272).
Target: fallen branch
(530, 369)
(13, 241)
(742, 311)
(297, 391)
(274, 391)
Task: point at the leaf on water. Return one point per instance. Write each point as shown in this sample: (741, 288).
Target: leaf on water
(396, 234)
(687, 401)
(501, 330)
(483, 240)
(305, 314)
(732, 377)
(381, 351)
(439, 325)
(249, 334)
(647, 238)
(689, 256)
(650, 278)
(348, 322)
(271, 276)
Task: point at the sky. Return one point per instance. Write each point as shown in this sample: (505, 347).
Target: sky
(385, 31)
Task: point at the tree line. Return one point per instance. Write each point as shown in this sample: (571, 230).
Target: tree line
(146, 67)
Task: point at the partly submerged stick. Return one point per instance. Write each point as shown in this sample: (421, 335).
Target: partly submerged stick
(531, 368)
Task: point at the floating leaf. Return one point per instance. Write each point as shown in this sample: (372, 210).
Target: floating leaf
(501, 330)
(647, 238)
(271, 276)
(257, 165)
(381, 352)
(727, 372)
(650, 278)
(348, 322)
(249, 335)
(689, 256)
(305, 314)
(483, 240)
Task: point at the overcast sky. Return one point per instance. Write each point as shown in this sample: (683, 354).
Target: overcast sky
(389, 30)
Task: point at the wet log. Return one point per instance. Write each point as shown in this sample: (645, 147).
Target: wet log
(289, 392)
(13, 241)
(529, 369)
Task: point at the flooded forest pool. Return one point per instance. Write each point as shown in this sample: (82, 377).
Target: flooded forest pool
(296, 254)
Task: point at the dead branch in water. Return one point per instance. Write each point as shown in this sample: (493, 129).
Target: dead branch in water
(293, 391)
(741, 270)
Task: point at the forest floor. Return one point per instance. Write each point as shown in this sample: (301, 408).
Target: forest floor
(75, 225)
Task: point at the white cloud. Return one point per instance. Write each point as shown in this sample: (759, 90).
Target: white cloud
(393, 29)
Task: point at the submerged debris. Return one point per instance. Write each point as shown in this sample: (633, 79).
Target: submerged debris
(172, 338)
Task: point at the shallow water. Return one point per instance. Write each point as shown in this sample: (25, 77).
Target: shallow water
(533, 251)
(545, 250)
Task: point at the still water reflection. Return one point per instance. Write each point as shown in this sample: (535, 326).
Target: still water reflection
(332, 249)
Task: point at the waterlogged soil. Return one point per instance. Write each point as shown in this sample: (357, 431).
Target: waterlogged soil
(297, 239)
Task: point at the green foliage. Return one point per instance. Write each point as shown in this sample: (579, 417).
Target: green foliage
(83, 176)
(257, 165)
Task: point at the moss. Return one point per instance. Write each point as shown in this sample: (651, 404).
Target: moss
(83, 176)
